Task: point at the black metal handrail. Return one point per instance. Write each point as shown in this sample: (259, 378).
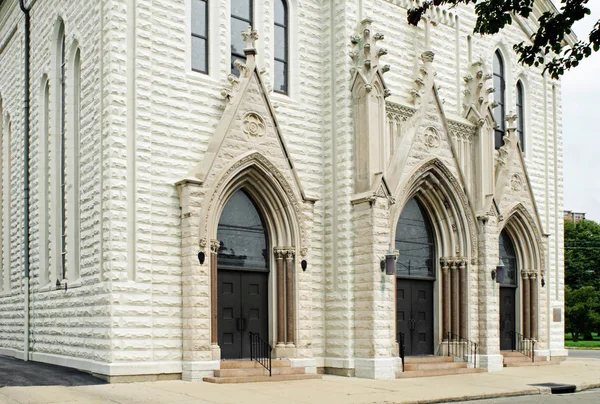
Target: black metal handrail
(402, 347)
(522, 344)
(260, 351)
(462, 348)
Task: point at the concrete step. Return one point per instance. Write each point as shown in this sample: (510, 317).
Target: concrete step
(514, 354)
(523, 359)
(247, 363)
(434, 365)
(258, 379)
(258, 372)
(428, 359)
(438, 372)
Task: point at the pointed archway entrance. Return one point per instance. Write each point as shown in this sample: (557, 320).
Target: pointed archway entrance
(243, 276)
(508, 288)
(415, 279)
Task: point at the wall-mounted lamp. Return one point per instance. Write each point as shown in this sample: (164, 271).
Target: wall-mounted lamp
(543, 282)
(303, 264)
(498, 273)
(201, 257)
(390, 262)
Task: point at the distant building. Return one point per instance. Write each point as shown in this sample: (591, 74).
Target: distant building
(573, 216)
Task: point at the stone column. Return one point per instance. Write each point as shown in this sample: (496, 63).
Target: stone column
(279, 255)
(533, 290)
(214, 336)
(290, 272)
(526, 303)
(446, 298)
(455, 298)
(462, 267)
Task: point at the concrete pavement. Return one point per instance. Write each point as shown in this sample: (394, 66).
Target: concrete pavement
(585, 373)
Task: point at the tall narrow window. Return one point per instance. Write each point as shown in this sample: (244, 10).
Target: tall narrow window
(74, 198)
(500, 86)
(43, 183)
(281, 46)
(2, 147)
(241, 18)
(6, 203)
(200, 36)
(520, 115)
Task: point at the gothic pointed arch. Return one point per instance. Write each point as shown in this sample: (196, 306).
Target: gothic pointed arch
(521, 225)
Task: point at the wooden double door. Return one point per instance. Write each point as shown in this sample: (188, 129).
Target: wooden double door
(243, 307)
(414, 315)
(507, 317)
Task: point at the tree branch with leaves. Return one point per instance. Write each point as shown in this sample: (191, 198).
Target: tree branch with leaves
(548, 47)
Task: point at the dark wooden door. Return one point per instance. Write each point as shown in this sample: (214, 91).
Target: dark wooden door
(507, 317)
(242, 308)
(414, 315)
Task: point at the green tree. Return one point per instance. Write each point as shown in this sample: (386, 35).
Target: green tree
(582, 254)
(548, 45)
(581, 313)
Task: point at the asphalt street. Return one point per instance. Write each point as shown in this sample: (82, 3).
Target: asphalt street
(15, 372)
(584, 397)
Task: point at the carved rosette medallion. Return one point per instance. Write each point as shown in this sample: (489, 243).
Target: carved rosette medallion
(431, 139)
(516, 183)
(254, 125)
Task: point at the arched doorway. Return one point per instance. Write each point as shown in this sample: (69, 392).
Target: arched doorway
(242, 276)
(415, 276)
(508, 287)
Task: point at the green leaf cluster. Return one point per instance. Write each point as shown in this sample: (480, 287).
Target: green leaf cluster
(548, 46)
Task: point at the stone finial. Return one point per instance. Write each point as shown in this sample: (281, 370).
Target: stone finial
(250, 37)
(366, 58)
(511, 119)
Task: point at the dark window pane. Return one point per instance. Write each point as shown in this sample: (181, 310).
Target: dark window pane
(242, 9)
(507, 254)
(242, 235)
(498, 138)
(280, 77)
(199, 17)
(199, 54)
(280, 43)
(280, 12)
(237, 42)
(414, 242)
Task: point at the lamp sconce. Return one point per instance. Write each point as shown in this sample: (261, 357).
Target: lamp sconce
(498, 272)
(201, 257)
(388, 263)
(303, 265)
(543, 282)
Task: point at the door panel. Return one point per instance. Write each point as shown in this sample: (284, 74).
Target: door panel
(507, 318)
(242, 307)
(229, 311)
(414, 318)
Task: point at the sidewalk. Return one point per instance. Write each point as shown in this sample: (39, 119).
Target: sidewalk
(585, 373)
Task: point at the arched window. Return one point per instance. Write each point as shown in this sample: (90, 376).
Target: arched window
(241, 18)
(521, 115)
(500, 86)
(74, 169)
(200, 36)
(506, 251)
(43, 182)
(242, 235)
(6, 202)
(63, 155)
(414, 241)
(281, 46)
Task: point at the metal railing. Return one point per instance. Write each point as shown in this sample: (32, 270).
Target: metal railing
(524, 345)
(402, 347)
(260, 351)
(462, 348)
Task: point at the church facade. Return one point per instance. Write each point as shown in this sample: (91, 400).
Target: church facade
(322, 174)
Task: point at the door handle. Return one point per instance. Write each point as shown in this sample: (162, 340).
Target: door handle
(240, 324)
(243, 324)
(412, 324)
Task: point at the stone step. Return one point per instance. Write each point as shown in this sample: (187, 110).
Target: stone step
(434, 365)
(258, 372)
(259, 379)
(438, 372)
(530, 363)
(511, 354)
(523, 359)
(247, 363)
(428, 359)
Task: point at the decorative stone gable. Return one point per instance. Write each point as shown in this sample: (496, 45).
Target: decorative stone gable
(368, 96)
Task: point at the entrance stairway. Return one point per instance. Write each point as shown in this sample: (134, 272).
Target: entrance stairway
(247, 371)
(515, 359)
(425, 366)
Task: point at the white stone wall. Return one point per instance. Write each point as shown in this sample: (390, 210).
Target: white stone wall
(147, 119)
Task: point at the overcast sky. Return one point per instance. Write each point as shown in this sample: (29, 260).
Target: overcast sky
(581, 128)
